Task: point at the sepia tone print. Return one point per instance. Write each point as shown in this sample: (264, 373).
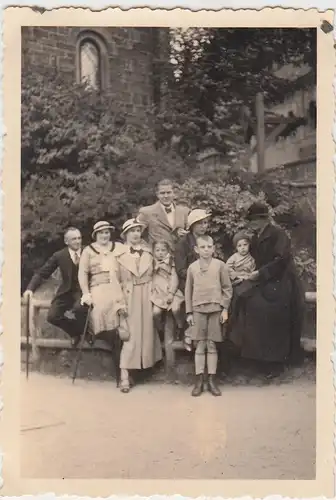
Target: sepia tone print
(170, 236)
(226, 300)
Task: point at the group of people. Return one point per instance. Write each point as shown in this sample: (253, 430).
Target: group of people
(165, 265)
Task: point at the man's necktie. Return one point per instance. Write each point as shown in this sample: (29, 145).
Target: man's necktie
(169, 210)
(76, 259)
(133, 250)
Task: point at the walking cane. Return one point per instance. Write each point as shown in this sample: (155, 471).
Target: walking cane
(81, 344)
(27, 334)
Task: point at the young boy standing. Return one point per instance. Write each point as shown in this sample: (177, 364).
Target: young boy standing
(208, 294)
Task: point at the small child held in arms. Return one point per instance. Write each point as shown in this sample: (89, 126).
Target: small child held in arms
(208, 294)
(241, 264)
(165, 294)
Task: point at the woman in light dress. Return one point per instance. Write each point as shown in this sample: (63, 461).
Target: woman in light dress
(99, 284)
(141, 348)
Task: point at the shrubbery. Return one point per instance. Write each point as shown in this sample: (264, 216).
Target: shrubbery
(84, 160)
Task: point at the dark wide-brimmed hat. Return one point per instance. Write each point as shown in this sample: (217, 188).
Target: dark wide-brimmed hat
(242, 235)
(257, 210)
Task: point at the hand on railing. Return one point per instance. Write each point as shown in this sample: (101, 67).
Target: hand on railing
(28, 294)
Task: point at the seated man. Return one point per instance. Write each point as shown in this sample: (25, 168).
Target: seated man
(68, 294)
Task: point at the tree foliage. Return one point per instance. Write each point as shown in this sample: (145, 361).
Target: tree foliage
(72, 128)
(218, 72)
(84, 158)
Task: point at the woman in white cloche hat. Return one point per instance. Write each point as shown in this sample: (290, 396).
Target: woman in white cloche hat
(99, 284)
(141, 347)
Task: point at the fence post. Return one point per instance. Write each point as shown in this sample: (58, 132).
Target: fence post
(35, 331)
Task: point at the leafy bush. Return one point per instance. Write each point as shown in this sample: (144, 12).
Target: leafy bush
(228, 197)
(85, 159)
(227, 203)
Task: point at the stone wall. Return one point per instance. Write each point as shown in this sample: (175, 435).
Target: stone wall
(130, 58)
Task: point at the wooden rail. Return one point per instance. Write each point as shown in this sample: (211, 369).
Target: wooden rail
(170, 346)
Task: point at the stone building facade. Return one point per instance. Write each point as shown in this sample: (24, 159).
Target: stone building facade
(128, 62)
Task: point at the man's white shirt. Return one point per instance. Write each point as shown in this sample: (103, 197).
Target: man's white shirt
(170, 215)
(73, 255)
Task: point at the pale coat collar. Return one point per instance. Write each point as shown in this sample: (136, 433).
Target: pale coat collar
(130, 263)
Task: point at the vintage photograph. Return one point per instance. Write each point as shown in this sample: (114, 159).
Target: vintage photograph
(168, 252)
(167, 279)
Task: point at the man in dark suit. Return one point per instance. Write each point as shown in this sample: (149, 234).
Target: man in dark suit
(68, 295)
(164, 219)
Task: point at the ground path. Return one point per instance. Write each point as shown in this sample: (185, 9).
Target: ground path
(91, 430)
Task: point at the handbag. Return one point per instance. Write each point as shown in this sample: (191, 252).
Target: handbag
(123, 330)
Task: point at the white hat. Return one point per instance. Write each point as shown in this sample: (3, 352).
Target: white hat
(130, 224)
(100, 226)
(197, 215)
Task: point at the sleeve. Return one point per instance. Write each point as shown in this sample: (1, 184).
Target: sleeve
(120, 301)
(189, 291)
(142, 216)
(230, 265)
(83, 271)
(226, 286)
(252, 265)
(187, 212)
(174, 281)
(181, 263)
(44, 273)
(281, 256)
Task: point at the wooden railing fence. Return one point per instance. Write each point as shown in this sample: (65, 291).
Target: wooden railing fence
(38, 342)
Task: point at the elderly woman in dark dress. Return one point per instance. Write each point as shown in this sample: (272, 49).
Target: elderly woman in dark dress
(268, 311)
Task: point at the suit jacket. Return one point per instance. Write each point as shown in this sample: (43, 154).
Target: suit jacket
(63, 261)
(184, 256)
(158, 227)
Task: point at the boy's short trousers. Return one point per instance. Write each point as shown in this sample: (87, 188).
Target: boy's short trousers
(207, 326)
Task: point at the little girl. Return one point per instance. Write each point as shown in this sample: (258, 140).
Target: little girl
(241, 264)
(165, 294)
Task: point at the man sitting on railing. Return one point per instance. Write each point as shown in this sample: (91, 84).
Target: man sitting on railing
(68, 295)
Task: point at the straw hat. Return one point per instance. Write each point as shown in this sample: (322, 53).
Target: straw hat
(197, 215)
(130, 224)
(101, 226)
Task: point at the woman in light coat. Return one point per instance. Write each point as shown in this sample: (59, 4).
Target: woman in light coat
(141, 347)
(100, 287)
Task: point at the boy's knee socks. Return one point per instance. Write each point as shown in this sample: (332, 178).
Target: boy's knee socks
(200, 357)
(212, 357)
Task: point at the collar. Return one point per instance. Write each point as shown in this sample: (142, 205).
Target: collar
(166, 261)
(171, 206)
(73, 252)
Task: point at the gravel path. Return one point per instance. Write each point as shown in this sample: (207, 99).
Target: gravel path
(158, 431)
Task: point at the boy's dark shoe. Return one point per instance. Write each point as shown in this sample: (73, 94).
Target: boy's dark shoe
(213, 387)
(198, 387)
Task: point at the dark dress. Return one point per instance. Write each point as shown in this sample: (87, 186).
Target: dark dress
(267, 314)
(184, 256)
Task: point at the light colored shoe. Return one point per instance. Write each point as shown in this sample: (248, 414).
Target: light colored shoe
(125, 386)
